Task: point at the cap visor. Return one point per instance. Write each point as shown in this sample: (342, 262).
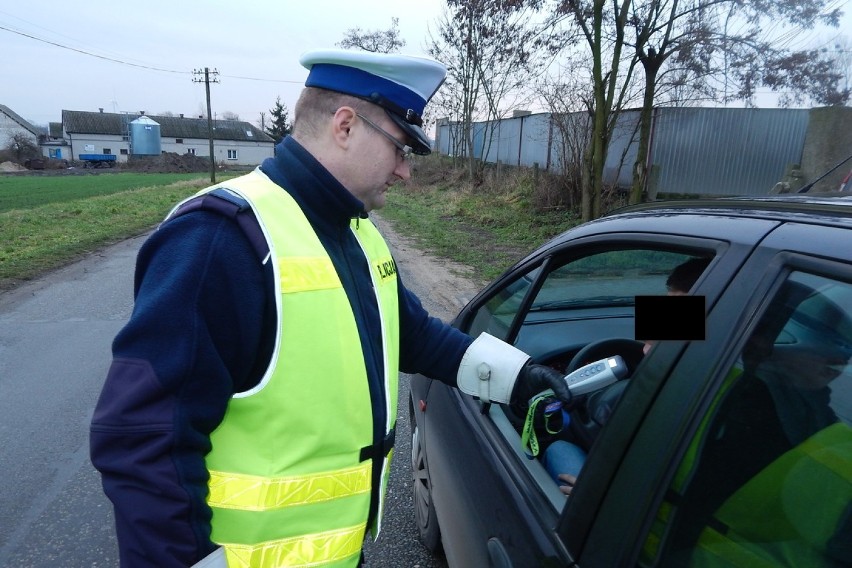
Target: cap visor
(420, 143)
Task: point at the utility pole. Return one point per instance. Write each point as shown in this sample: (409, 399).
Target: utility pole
(207, 80)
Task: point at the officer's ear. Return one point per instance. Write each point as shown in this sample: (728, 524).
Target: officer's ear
(341, 127)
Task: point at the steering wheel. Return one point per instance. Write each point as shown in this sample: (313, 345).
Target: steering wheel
(630, 350)
(593, 411)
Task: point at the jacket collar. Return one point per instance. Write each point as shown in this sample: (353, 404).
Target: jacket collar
(324, 200)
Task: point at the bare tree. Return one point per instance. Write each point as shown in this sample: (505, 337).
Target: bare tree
(22, 147)
(713, 38)
(228, 115)
(838, 56)
(493, 52)
(702, 49)
(842, 56)
(612, 77)
(377, 41)
(566, 95)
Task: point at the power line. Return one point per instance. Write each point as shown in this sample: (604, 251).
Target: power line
(266, 80)
(92, 54)
(122, 62)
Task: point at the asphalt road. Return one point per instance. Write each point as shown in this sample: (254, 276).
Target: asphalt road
(55, 336)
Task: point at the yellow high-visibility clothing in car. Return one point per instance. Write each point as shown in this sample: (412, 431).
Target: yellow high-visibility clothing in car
(793, 513)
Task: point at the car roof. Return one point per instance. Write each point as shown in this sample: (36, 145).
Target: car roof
(741, 218)
(772, 206)
(811, 208)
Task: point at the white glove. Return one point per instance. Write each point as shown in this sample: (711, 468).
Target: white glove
(489, 369)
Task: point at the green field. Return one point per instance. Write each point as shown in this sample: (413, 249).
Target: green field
(26, 192)
(48, 221)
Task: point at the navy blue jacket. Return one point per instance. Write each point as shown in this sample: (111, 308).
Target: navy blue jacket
(202, 328)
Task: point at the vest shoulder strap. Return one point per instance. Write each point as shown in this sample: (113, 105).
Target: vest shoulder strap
(225, 202)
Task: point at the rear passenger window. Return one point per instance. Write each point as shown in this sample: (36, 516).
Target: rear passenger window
(767, 480)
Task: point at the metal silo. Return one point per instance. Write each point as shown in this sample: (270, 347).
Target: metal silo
(144, 137)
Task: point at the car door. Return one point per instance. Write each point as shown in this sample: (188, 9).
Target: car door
(732, 465)
(496, 504)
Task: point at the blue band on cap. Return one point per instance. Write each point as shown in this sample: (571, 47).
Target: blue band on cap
(358, 83)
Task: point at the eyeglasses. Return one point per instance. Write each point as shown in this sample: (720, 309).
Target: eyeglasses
(404, 149)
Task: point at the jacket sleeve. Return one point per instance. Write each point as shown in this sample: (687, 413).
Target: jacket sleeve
(428, 345)
(192, 340)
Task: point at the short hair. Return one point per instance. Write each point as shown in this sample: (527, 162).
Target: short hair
(316, 105)
(686, 273)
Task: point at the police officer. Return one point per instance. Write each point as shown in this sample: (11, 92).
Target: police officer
(248, 416)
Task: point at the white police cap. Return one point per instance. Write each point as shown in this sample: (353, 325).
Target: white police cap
(400, 84)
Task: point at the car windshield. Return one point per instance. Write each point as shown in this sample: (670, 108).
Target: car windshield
(584, 302)
(612, 278)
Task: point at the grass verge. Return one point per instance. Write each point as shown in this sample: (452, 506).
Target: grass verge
(488, 227)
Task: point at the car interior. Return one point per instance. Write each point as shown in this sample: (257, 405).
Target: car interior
(567, 313)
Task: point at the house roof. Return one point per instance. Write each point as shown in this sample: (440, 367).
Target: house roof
(107, 123)
(20, 120)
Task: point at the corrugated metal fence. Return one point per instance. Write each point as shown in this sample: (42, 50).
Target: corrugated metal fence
(702, 151)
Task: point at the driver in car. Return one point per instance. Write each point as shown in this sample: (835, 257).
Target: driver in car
(563, 460)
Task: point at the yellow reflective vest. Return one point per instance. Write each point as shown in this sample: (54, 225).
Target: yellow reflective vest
(288, 482)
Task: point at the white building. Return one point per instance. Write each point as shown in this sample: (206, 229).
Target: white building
(11, 125)
(234, 142)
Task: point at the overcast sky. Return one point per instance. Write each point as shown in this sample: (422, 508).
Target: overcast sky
(130, 57)
(254, 45)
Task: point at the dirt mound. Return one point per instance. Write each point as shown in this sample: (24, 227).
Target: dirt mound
(12, 167)
(168, 162)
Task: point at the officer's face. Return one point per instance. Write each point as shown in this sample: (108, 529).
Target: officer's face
(381, 162)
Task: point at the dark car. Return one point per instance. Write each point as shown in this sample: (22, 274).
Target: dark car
(731, 450)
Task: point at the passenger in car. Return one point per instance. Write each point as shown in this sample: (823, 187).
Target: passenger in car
(776, 419)
(564, 459)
